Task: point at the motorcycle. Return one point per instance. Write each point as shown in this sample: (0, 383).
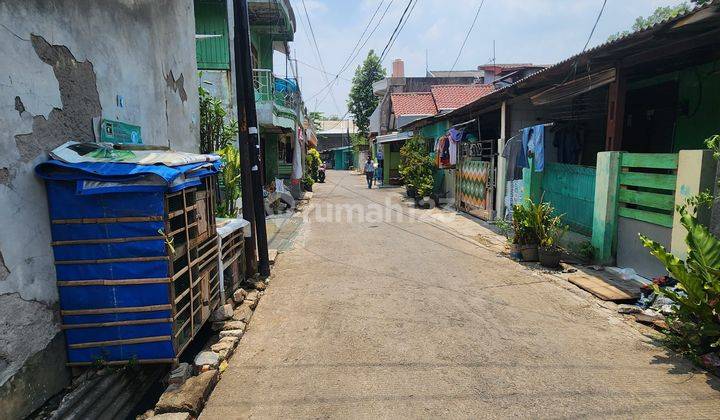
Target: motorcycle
(321, 173)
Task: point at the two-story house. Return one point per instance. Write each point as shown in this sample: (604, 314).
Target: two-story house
(280, 110)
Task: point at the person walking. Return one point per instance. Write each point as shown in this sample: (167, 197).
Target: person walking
(369, 170)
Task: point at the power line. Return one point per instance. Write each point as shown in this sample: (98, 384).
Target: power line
(467, 35)
(402, 27)
(602, 9)
(396, 30)
(352, 57)
(345, 63)
(322, 64)
(320, 70)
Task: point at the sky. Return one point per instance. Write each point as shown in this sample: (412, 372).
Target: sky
(524, 31)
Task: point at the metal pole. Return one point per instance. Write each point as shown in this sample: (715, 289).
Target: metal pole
(249, 139)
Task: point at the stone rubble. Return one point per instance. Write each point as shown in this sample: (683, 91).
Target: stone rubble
(207, 358)
(243, 312)
(180, 374)
(190, 397)
(186, 394)
(231, 333)
(239, 295)
(222, 313)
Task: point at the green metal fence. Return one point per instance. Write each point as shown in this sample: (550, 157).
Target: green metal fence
(571, 190)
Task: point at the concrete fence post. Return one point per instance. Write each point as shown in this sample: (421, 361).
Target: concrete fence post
(695, 174)
(604, 229)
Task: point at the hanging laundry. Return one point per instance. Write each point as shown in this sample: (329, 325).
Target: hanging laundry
(533, 140)
(440, 146)
(516, 158)
(452, 149)
(569, 140)
(455, 135)
(445, 152)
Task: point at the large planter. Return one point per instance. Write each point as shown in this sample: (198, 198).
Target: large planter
(549, 257)
(529, 252)
(515, 253)
(424, 202)
(411, 191)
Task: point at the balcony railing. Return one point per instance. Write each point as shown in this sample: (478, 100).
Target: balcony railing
(281, 91)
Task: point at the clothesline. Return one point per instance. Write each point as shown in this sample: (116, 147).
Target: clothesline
(550, 124)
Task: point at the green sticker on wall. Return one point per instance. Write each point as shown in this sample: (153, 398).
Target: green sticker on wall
(119, 132)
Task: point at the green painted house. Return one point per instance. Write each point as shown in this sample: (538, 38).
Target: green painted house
(280, 109)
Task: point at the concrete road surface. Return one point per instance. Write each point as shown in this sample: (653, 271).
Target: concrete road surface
(390, 316)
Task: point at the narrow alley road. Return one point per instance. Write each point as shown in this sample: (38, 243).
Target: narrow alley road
(388, 318)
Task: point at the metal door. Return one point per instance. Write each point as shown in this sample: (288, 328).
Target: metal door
(476, 178)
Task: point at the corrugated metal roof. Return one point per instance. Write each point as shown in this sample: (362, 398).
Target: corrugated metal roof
(606, 45)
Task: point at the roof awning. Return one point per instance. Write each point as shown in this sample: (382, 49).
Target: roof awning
(574, 88)
(389, 138)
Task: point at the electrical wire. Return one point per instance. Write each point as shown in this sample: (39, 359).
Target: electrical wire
(403, 26)
(320, 70)
(317, 48)
(353, 56)
(602, 9)
(396, 31)
(467, 35)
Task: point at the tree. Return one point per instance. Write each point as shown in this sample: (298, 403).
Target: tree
(660, 14)
(315, 118)
(362, 101)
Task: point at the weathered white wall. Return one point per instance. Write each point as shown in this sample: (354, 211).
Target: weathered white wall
(63, 63)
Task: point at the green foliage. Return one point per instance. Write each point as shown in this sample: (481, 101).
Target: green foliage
(713, 143)
(660, 14)
(694, 326)
(506, 228)
(230, 185)
(315, 118)
(215, 133)
(416, 166)
(362, 101)
(534, 223)
(312, 164)
(358, 142)
(586, 250)
(308, 180)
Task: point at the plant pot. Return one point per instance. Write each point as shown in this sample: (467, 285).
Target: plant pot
(515, 253)
(549, 257)
(411, 191)
(529, 252)
(425, 202)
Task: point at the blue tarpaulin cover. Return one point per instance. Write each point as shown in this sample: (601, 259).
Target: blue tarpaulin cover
(97, 251)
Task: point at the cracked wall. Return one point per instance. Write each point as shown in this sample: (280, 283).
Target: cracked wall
(56, 76)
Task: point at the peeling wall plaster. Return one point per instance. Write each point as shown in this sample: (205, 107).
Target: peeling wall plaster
(57, 73)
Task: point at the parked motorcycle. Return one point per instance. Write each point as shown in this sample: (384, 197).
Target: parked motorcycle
(321, 173)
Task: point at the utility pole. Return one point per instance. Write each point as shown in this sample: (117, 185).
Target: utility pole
(248, 136)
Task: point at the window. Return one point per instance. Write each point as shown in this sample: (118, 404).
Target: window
(212, 46)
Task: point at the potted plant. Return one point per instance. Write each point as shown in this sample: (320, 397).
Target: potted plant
(524, 237)
(507, 229)
(416, 169)
(307, 182)
(548, 251)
